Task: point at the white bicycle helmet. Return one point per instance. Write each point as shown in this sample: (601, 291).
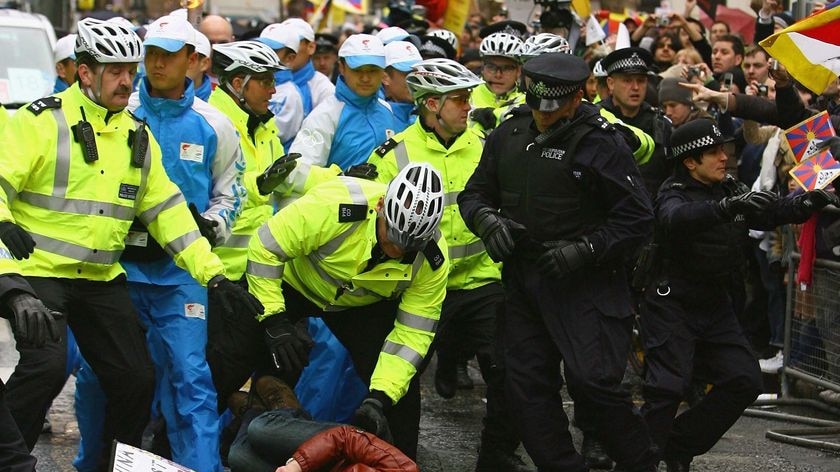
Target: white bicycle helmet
(543, 43)
(108, 42)
(500, 44)
(439, 76)
(598, 70)
(414, 206)
(250, 57)
(446, 35)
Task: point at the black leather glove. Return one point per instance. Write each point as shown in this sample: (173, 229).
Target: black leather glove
(815, 200)
(276, 173)
(288, 344)
(747, 202)
(365, 171)
(564, 257)
(17, 240)
(370, 416)
(484, 117)
(494, 231)
(33, 321)
(232, 297)
(205, 225)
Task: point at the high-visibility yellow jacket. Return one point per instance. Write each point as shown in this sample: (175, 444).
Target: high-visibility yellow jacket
(258, 151)
(79, 213)
(4, 117)
(321, 245)
(470, 266)
(483, 97)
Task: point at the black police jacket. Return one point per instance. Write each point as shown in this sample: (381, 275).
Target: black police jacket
(698, 240)
(562, 191)
(653, 122)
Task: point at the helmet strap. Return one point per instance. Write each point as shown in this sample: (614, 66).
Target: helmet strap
(95, 94)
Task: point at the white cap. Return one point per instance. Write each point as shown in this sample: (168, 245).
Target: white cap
(170, 33)
(202, 44)
(401, 55)
(362, 50)
(279, 36)
(392, 33)
(179, 13)
(301, 27)
(64, 48)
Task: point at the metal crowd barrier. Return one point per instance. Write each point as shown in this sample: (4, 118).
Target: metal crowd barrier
(812, 355)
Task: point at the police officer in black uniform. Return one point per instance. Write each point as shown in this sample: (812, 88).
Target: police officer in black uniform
(627, 77)
(558, 198)
(688, 321)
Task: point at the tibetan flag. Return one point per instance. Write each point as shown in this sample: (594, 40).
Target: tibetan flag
(352, 6)
(804, 137)
(810, 49)
(816, 172)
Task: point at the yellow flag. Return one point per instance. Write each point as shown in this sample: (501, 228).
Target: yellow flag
(582, 8)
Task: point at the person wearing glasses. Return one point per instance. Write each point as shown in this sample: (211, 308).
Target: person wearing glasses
(500, 71)
(441, 90)
(368, 260)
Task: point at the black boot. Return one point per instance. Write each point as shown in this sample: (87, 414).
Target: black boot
(445, 378)
(463, 375)
(492, 459)
(594, 454)
(675, 465)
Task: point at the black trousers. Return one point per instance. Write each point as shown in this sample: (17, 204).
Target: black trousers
(471, 321)
(14, 455)
(584, 321)
(693, 330)
(110, 337)
(236, 352)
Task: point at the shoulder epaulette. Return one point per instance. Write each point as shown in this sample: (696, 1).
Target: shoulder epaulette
(385, 147)
(433, 254)
(599, 121)
(42, 104)
(676, 185)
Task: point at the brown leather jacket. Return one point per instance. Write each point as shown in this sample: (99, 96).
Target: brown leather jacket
(348, 449)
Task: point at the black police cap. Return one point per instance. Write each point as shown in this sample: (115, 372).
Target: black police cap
(325, 43)
(696, 136)
(515, 28)
(433, 47)
(551, 77)
(628, 61)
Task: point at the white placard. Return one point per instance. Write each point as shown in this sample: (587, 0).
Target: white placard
(131, 459)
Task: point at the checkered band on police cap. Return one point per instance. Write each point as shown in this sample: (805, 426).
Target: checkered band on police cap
(543, 90)
(628, 63)
(696, 135)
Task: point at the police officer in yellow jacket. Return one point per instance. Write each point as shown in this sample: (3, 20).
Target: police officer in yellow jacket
(246, 83)
(370, 262)
(76, 169)
(474, 298)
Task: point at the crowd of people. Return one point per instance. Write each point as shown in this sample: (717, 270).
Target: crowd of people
(190, 213)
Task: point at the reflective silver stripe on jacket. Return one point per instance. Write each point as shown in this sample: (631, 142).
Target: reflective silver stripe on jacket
(401, 153)
(403, 352)
(62, 154)
(271, 244)
(149, 215)
(238, 241)
(180, 243)
(265, 271)
(358, 198)
(450, 198)
(74, 251)
(77, 207)
(471, 249)
(10, 191)
(416, 321)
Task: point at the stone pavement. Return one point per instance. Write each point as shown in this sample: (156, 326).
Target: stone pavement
(450, 431)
